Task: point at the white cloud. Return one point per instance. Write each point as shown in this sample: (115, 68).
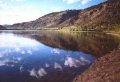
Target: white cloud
(85, 60)
(74, 1)
(57, 66)
(9, 62)
(55, 51)
(85, 1)
(22, 52)
(13, 41)
(71, 1)
(47, 65)
(29, 52)
(10, 14)
(72, 62)
(19, 59)
(38, 73)
(3, 62)
(42, 72)
(33, 73)
(21, 68)
(17, 49)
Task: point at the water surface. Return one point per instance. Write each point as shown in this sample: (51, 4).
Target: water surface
(46, 56)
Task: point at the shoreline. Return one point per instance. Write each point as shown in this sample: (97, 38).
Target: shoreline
(114, 34)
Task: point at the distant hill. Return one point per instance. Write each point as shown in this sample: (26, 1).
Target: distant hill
(2, 28)
(102, 15)
(52, 20)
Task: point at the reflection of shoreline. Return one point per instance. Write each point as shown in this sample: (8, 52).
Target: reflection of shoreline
(114, 34)
(96, 44)
(106, 68)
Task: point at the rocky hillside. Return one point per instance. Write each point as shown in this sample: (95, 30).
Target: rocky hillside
(93, 16)
(104, 14)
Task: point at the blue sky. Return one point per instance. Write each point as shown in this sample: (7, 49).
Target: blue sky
(16, 11)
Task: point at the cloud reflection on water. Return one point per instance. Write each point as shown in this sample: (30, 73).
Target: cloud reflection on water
(11, 44)
(8, 62)
(36, 59)
(57, 66)
(55, 51)
(38, 73)
(11, 40)
(72, 62)
(14, 43)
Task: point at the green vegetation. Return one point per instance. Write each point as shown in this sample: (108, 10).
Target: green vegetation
(82, 27)
(78, 27)
(116, 28)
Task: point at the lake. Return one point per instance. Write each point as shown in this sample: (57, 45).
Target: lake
(50, 56)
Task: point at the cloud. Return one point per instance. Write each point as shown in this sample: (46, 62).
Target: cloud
(55, 51)
(72, 62)
(47, 65)
(17, 49)
(41, 72)
(38, 73)
(16, 42)
(10, 14)
(33, 73)
(29, 52)
(9, 62)
(85, 1)
(57, 66)
(75, 1)
(4, 62)
(85, 60)
(71, 1)
(21, 68)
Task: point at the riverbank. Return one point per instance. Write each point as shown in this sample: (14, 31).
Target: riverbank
(105, 69)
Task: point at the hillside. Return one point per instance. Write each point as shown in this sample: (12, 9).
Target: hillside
(93, 16)
(51, 20)
(105, 14)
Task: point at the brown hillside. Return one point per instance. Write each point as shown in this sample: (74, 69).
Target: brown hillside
(102, 15)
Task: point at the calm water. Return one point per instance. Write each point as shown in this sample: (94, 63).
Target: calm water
(39, 56)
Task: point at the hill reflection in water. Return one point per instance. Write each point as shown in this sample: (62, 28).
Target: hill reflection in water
(97, 44)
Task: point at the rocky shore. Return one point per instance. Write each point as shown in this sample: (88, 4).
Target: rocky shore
(105, 69)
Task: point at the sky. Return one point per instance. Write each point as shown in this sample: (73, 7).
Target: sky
(17, 11)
